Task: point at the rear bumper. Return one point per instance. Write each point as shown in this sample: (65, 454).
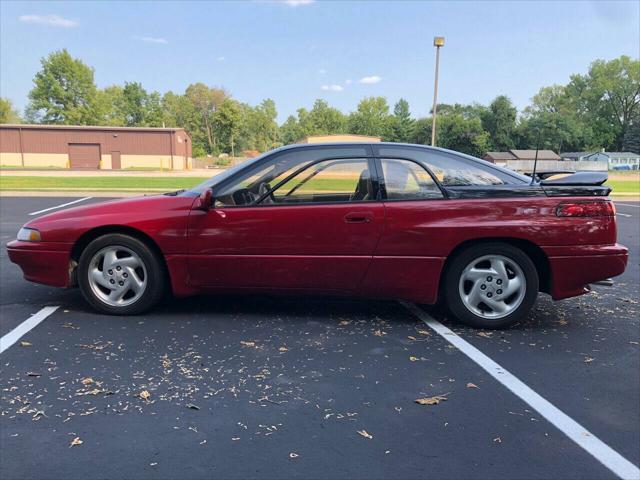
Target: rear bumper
(573, 268)
(42, 262)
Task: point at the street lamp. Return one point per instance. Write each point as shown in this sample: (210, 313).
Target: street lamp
(437, 42)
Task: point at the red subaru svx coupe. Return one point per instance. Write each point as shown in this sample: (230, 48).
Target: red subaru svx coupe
(378, 220)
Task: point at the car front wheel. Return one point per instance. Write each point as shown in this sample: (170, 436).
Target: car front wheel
(492, 285)
(120, 275)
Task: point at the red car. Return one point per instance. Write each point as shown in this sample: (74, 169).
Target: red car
(377, 220)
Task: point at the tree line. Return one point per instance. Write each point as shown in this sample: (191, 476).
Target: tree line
(599, 109)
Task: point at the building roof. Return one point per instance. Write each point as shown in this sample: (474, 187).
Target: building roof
(500, 156)
(576, 154)
(531, 154)
(340, 137)
(26, 126)
(622, 154)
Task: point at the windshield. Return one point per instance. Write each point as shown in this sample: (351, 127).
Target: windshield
(227, 173)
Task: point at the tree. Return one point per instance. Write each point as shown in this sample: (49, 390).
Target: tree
(610, 94)
(455, 132)
(205, 101)
(324, 120)
(261, 125)
(402, 124)
(228, 122)
(109, 105)
(371, 118)
(64, 92)
(500, 121)
(631, 141)
(139, 108)
(7, 113)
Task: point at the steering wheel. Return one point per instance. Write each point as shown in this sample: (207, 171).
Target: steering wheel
(263, 189)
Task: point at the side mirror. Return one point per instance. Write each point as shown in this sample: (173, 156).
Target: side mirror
(205, 201)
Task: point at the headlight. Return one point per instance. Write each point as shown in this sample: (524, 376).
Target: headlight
(29, 235)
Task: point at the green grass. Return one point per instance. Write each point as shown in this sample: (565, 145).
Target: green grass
(147, 183)
(98, 183)
(625, 186)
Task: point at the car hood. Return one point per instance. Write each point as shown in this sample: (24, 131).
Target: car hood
(138, 212)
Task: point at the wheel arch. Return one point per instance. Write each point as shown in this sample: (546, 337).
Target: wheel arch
(533, 251)
(90, 235)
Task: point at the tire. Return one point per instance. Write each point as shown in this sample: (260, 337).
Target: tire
(134, 268)
(497, 273)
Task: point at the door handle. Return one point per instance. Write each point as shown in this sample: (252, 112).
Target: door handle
(358, 217)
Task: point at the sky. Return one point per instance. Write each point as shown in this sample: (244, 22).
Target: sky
(295, 51)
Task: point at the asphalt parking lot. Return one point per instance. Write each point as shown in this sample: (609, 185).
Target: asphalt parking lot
(261, 387)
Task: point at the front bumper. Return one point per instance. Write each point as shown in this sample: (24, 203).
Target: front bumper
(42, 262)
(574, 268)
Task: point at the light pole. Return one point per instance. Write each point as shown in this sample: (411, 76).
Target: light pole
(437, 42)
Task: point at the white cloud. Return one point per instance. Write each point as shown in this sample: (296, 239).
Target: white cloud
(297, 3)
(221, 59)
(50, 20)
(159, 40)
(332, 88)
(370, 80)
(322, 71)
(348, 81)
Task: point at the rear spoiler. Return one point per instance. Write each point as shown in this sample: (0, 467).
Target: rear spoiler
(539, 176)
(584, 179)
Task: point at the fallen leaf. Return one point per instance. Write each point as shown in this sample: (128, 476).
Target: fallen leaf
(484, 334)
(497, 440)
(153, 464)
(144, 395)
(379, 333)
(472, 385)
(247, 344)
(634, 343)
(192, 406)
(25, 344)
(34, 374)
(365, 434)
(435, 400)
(411, 338)
(283, 349)
(344, 322)
(413, 359)
(75, 441)
(588, 360)
(293, 455)
(87, 381)
(424, 332)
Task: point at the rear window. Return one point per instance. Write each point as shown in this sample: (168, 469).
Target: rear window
(454, 170)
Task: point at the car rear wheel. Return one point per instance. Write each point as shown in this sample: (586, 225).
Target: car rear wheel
(120, 275)
(492, 285)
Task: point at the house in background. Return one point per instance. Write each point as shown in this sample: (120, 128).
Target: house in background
(615, 160)
(511, 155)
(94, 148)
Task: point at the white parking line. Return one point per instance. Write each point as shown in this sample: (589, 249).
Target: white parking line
(624, 214)
(60, 206)
(627, 205)
(14, 335)
(611, 459)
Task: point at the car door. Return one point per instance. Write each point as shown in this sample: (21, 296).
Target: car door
(406, 263)
(311, 224)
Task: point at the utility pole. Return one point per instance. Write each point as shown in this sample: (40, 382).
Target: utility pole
(437, 42)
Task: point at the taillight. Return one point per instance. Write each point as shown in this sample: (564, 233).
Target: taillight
(588, 208)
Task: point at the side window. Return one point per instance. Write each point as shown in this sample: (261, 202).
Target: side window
(347, 180)
(250, 186)
(405, 180)
(452, 171)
